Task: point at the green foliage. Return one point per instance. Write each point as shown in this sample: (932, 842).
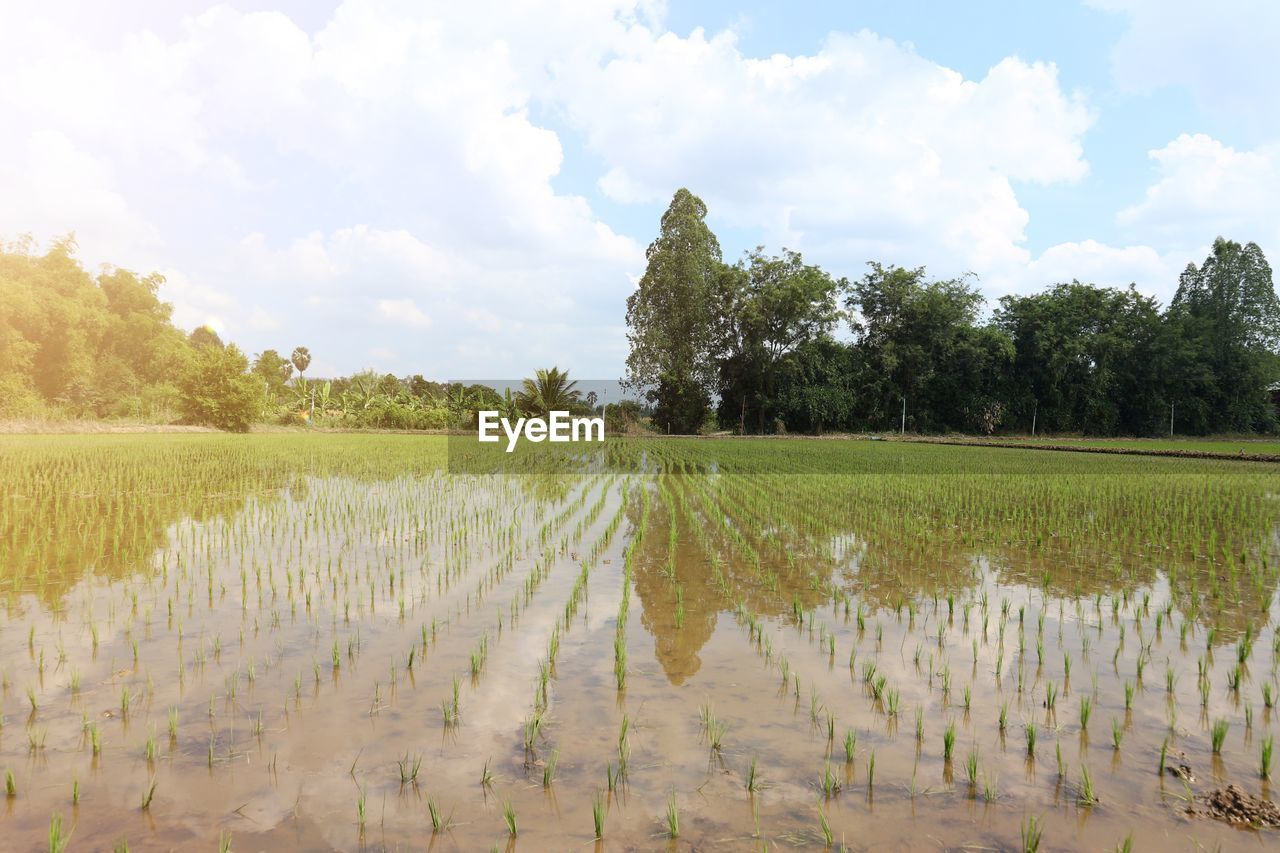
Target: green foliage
(671, 322)
(1225, 321)
(217, 390)
(301, 359)
(548, 391)
(82, 346)
(918, 340)
(1087, 359)
(274, 370)
(766, 308)
(1074, 358)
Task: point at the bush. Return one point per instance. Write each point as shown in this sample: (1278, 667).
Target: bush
(217, 391)
(19, 400)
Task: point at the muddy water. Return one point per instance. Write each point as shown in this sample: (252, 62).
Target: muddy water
(279, 628)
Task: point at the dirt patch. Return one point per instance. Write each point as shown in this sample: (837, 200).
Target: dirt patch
(1233, 805)
(1182, 771)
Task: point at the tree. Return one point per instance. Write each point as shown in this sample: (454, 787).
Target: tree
(301, 358)
(767, 307)
(1225, 319)
(218, 391)
(921, 352)
(671, 318)
(274, 371)
(205, 336)
(548, 391)
(1087, 359)
(813, 390)
(98, 346)
(421, 387)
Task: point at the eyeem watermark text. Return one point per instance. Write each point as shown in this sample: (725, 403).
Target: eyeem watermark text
(559, 427)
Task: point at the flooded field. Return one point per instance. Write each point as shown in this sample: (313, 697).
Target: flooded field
(333, 642)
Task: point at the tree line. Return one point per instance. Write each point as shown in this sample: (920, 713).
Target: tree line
(75, 344)
(771, 343)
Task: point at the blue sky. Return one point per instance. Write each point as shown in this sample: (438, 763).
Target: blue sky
(415, 188)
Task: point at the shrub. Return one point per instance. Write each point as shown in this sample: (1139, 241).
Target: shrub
(218, 391)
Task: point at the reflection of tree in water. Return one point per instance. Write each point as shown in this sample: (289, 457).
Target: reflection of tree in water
(887, 540)
(890, 572)
(678, 648)
(69, 505)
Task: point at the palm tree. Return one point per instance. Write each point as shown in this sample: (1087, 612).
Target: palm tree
(548, 391)
(301, 358)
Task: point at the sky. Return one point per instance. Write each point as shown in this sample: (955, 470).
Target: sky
(463, 190)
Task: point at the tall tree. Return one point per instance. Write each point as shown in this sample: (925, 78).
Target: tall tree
(767, 307)
(1226, 321)
(1087, 359)
(671, 319)
(274, 370)
(301, 358)
(922, 352)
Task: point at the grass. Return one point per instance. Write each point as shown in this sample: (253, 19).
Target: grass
(149, 794)
(1218, 734)
(409, 768)
(1086, 794)
(1032, 832)
(58, 840)
(829, 782)
(439, 822)
(598, 813)
(509, 817)
(673, 816)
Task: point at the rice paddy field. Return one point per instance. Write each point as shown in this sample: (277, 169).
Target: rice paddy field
(344, 642)
(1229, 446)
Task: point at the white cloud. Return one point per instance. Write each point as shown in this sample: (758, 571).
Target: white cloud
(400, 165)
(1207, 189)
(1202, 189)
(1223, 53)
(864, 149)
(1153, 273)
(403, 312)
(393, 149)
(53, 187)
